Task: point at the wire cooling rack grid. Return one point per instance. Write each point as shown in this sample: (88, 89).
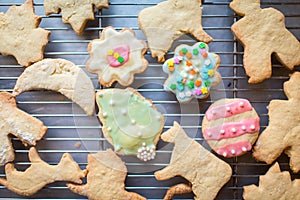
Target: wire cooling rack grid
(69, 126)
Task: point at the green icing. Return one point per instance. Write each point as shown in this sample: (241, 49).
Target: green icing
(130, 119)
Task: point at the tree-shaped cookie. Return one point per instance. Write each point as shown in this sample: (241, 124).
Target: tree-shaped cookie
(273, 186)
(20, 35)
(262, 33)
(40, 174)
(75, 12)
(105, 178)
(283, 131)
(18, 123)
(206, 173)
(167, 21)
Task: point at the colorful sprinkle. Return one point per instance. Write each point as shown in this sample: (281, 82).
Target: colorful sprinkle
(189, 63)
(204, 76)
(110, 52)
(171, 68)
(179, 79)
(195, 51)
(202, 45)
(180, 53)
(198, 83)
(211, 72)
(173, 86)
(204, 90)
(204, 54)
(198, 92)
(189, 55)
(191, 85)
(176, 60)
(170, 63)
(184, 50)
(184, 81)
(116, 55)
(207, 62)
(207, 83)
(121, 59)
(193, 72)
(180, 87)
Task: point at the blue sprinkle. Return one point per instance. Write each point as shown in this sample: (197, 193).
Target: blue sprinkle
(210, 66)
(204, 76)
(180, 87)
(179, 79)
(204, 70)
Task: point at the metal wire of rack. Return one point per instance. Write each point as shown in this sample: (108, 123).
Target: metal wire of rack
(69, 126)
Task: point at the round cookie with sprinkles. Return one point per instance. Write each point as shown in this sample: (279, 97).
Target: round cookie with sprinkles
(231, 127)
(130, 122)
(192, 72)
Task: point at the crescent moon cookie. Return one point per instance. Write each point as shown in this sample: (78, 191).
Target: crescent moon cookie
(192, 71)
(262, 32)
(40, 174)
(117, 56)
(130, 122)
(75, 12)
(62, 76)
(283, 131)
(231, 127)
(273, 185)
(18, 123)
(168, 20)
(106, 174)
(20, 35)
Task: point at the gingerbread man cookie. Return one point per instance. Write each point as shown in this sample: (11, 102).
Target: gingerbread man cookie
(206, 173)
(282, 133)
(75, 12)
(18, 123)
(106, 174)
(167, 21)
(20, 35)
(231, 127)
(40, 174)
(273, 186)
(117, 56)
(192, 72)
(262, 32)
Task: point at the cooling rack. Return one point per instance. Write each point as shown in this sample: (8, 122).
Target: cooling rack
(70, 130)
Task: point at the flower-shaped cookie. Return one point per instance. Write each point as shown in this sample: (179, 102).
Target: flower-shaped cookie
(192, 71)
(117, 56)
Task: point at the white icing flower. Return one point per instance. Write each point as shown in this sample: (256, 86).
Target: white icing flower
(117, 56)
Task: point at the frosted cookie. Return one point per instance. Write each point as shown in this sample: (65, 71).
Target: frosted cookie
(19, 32)
(283, 132)
(192, 72)
(206, 173)
(231, 127)
(273, 186)
(262, 32)
(74, 12)
(130, 122)
(18, 123)
(167, 21)
(105, 178)
(117, 56)
(62, 76)
(40, 174)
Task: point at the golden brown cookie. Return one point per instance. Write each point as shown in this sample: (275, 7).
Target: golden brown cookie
(75, 12)
(62, 76)
(274, 185)
(262, 32)
(18, 123)
(231, 127)
(105, 178)
(206, 173)
(40, 174)
(282, 133)
(20, 35)
(167, 21)
(117, 56)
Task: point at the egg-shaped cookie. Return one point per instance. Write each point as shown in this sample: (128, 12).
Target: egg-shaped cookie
(231, 126)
